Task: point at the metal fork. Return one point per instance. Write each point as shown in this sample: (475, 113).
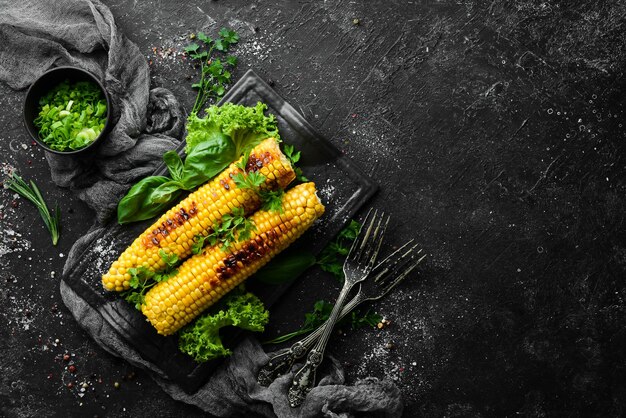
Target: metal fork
(358, 264)
(386, 275)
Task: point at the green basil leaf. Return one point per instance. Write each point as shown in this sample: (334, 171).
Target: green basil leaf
(139, 204)
(207, 159)
(164, 192)
(174, 164)
(285, 267)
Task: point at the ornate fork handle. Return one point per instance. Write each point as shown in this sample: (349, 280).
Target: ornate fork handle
(304, 379)
(359, 263)
(281, 362)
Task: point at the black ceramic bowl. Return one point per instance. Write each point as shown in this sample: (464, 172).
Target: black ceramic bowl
(44, 84)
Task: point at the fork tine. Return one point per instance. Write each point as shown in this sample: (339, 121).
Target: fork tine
(371, 234)
(377, 242)
(394, 260)
(393, 270)
(354, 252)
(388, 285)
(369, 247)
(371, 231)
(393, 254)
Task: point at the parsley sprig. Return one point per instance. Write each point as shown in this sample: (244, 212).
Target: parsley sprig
(294, 157)
(214, 72)
(272, 199)
(233, 228)
(321, 312)
(143, 279)
(31, 193)
(252, 180)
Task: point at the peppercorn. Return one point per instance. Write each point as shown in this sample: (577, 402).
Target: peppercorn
(70, 385)
(72, 369)
(66, 357)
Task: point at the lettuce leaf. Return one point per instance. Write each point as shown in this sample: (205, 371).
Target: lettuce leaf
(245, 126)
(201, 339)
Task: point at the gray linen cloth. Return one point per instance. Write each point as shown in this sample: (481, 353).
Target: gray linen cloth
(37, 35)
(146, 124)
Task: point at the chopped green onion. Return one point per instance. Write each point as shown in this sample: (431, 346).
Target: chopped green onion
(71, 116)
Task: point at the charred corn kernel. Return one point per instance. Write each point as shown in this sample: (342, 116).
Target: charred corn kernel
(175, 231)
(204, 278)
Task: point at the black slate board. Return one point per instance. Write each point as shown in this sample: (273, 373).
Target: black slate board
(342, 186)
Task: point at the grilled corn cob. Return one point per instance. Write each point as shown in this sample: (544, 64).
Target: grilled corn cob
(176, 230)
(205, 278)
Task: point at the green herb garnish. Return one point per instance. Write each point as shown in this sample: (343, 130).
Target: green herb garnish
(294, 157)
(234, 227)
(252, 180)
(331, 258)
(31, 193)
(243, 162)
(143, 279)
(201, 339)
(71, 116)
(214, 74)
(319, 315)
(272, 200)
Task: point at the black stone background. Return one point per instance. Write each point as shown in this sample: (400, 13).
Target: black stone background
(496, 132)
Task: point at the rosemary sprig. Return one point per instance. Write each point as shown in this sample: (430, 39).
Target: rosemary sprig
(32, 193)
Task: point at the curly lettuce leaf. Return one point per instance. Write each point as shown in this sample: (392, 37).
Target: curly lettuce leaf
(202, 341)
(245, 126)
